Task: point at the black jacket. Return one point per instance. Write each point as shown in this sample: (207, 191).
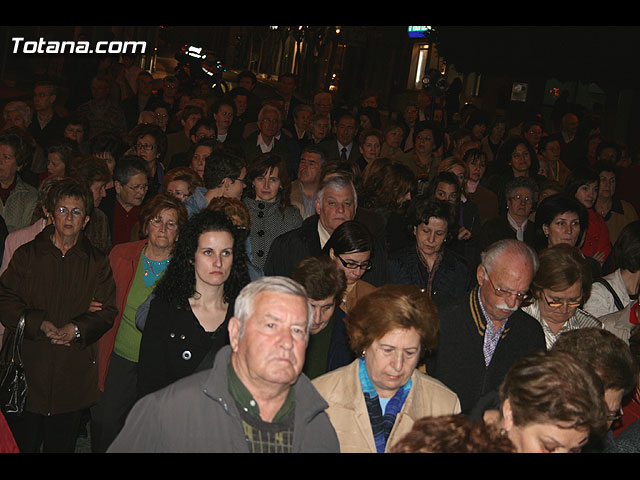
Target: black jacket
(452, 278)
(459, 362)
(174, 345)
(290, 248)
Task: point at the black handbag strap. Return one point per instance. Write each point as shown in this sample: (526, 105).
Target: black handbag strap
(608, 286)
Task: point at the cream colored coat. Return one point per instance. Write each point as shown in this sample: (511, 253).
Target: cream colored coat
(348, 411)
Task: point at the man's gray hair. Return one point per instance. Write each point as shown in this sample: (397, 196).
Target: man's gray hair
(337, 182)
(491, 256)
(245, 300)
(269, 108)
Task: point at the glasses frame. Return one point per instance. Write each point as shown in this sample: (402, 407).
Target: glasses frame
(520, 297)
(353, 266)
(554, 305)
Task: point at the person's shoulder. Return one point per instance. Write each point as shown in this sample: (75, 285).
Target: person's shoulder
(127, 250)
(526, 326)
(333, 380)
(434, 385)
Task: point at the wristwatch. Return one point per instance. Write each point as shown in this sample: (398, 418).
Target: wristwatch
(77, 332)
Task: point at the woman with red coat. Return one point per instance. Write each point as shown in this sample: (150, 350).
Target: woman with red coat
(136, 268)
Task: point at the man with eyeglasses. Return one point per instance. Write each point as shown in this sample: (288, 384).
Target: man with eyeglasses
(485, 332)
(336, 202)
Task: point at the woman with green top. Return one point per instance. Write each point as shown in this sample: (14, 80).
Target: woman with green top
(136, 266)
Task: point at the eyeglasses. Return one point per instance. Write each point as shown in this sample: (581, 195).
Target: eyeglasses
(557, 304)
(158, 223)
(501, 292)
(354, 265)
(64, 211)
(138, 188)
(144, 146)
(520, 198)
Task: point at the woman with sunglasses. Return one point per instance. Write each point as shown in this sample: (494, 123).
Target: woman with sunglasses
(562, 284)
(350, 246)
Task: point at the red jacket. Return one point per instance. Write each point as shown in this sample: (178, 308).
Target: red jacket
(124, 260)
(597, 236)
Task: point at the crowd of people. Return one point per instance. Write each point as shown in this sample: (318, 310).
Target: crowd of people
(237, 272)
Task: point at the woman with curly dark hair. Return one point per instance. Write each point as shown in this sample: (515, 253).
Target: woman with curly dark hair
(193, 302)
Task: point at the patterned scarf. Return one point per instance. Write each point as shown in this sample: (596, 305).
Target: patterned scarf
(381, 424)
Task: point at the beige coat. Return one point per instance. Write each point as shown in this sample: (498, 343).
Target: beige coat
(348, 411)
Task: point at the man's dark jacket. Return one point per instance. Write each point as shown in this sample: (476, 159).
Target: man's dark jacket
(459, 362)
(290, 248)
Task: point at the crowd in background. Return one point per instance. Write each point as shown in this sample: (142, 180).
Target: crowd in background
(132, 216)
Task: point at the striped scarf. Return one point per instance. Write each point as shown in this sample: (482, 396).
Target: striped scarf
(381, 424)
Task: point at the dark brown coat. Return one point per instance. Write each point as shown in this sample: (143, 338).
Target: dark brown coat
(43, 284)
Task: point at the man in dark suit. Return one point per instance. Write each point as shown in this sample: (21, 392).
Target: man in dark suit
(268, 137)
(141, 101)
(482, 334)
(336, 203)
(286, 87)
(46, 127)
(344, 146)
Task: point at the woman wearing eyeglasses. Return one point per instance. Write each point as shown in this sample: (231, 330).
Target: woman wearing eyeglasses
(136, 266)
(149, 142)
(561, 285)
(350, 247)
(520, 193)
(64, 288)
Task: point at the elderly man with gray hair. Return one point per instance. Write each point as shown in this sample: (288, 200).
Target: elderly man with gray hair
(336, 202)
(254, 399)
(485, 332)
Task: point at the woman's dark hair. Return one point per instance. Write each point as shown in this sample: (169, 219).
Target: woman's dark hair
(152, 208)
(444, 177)
(550, 208)
(107, 142)
(350, 237)
(144, 129)
(384, 188)
(425, 208)
(438, 136)
(503, 157)
(372, 114)
(263, 164)
(554, 387)
(205, 142)
(578, 177)
(89, 169)
(221, 164)
(321, 278)
(178, 283)
(604, 352)
(69, 187)
(21, 148)
(608, 144)
(626, 250)
(66, 152)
